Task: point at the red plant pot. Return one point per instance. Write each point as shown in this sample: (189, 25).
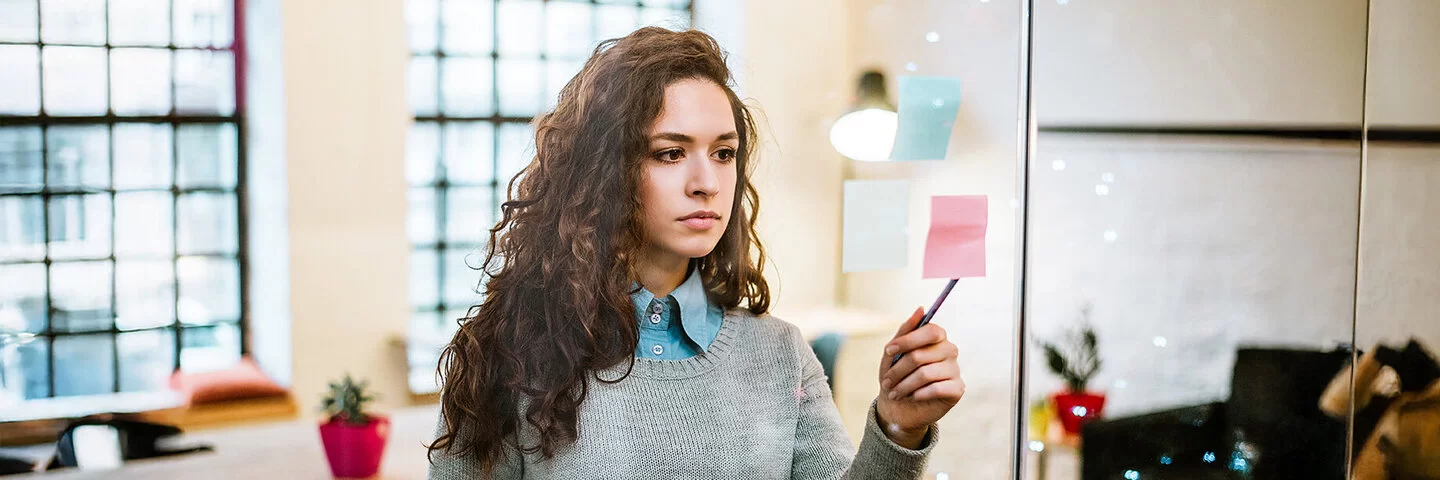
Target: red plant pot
(355, 450)
(1076, 409)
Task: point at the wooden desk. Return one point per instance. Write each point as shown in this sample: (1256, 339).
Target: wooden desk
(273, 451)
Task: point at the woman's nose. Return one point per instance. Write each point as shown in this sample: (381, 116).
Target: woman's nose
(704, 181)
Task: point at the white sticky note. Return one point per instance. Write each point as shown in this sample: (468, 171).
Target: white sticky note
(877, 215)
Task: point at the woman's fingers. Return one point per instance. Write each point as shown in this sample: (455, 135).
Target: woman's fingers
(950, 390)
(905, 327)
(929, 334)
(925, 375)
(938, 352)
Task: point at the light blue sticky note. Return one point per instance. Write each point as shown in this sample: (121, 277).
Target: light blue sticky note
(875, 224)
(928, 106)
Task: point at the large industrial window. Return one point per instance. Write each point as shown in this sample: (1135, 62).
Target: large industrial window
(121, 191)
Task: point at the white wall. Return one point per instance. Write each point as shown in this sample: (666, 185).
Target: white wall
(1199, 245)
(1400, 222)
(1400, 248)
(799, 174)
(1404, 63)
(345, 125)
(1222, 62)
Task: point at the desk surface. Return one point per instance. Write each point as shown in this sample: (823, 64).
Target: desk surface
(286, 450)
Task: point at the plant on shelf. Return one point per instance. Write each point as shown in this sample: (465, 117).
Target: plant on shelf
(1076, 360)
(354, 438)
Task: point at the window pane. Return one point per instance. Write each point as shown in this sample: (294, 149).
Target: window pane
(421, 22)
(80, 292)
(84, 365)
(424, 279)
(206, 155)
(207, 223)
(557, 74)
(27, 374)
(79, 156)
(469, 28)
(146, 360)
(451, 315)
(74, 80)
(520, 87)
(139, 22)
(466, 87)
(520, 30)
(422, 148)
(517, 149)
(73, 21)
(20, 160)
(469, 149)
(420, 85)
(617, 21)
(205, 82)
(18, 21)
(143, 224)
(145, 295)
(676, 4)
(209, 290)
(20, 79)
(462, 276)
(421, 220)
(469, 214)
(140, 81)
(568, 29)
(22, 301)
(204, 23)
(80, 226)
(210, 348)
(142, 155)
(426, 338)
(664, 17)
(22, 228)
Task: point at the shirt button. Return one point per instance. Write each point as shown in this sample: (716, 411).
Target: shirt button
(655, 308)
(657, 349)
(655, 318)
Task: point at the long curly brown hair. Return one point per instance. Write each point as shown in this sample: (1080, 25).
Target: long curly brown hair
(560, 264)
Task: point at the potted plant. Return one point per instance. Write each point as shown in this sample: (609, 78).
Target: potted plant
(1076, 360)
(354, 440)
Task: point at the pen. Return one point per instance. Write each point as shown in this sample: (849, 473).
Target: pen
(929, 314)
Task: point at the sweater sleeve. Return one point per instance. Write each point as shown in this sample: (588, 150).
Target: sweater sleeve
(822, 449)
(444, 466)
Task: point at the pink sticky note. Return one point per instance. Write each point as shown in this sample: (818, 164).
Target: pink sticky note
(955, 247)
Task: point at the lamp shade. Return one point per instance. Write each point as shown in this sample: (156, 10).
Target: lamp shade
(867, 132)
(865, 135)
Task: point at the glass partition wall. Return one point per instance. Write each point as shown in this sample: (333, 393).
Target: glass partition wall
(1192, 238)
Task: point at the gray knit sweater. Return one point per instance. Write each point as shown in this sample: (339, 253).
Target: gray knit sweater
(755, 406)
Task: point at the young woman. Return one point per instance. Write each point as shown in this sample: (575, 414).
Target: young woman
(623, 333)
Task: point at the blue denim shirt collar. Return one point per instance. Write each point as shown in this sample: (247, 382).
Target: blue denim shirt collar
(695, 309)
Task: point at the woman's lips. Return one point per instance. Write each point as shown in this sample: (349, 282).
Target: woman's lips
(700, 223)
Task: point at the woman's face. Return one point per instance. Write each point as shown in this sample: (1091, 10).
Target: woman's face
(688, 185)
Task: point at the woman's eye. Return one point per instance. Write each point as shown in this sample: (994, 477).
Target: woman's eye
(671, 155)
(726, 155)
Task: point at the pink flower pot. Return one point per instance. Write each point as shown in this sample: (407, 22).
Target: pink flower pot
(1076, 409)
(354, 451)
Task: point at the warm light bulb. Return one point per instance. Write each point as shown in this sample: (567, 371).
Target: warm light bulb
(866, 135)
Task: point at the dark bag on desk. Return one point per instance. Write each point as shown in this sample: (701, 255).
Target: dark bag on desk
(134, 440)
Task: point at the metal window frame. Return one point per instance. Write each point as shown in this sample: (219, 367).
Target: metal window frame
(174, 119)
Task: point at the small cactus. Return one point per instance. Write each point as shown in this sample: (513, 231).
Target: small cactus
(346, 401)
